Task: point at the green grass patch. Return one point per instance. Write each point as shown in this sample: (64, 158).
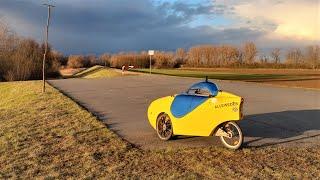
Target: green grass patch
(217, 75)
(50, 136)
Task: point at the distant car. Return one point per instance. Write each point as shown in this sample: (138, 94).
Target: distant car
(203, 110)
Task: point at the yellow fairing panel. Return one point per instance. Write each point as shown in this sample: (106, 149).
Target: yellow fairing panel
(203, 119)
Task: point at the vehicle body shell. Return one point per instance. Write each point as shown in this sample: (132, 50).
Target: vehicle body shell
(205, 113)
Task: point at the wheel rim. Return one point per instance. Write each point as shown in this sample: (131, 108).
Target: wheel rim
(164, 127)
(235, 136)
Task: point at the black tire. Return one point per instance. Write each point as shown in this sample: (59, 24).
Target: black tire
(164, 127)
(236, 139)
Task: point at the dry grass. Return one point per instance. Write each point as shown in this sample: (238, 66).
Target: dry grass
(49, 136)
(69, 72)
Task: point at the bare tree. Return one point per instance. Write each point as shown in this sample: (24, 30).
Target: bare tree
(275, 54)
(213, 56)
(8, 38)
(294, 56)
(59, 57)
(164, 59)
(250, 52)
(312, 56)
(26, 61)
(92, 59)
(229, 54)
(105, 59)
(194, 56)
(263, 59)
(180, 56)
(181, 53)
(240, 56)
(76, 61)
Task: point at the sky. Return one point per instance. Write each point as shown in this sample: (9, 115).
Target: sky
(98, 26)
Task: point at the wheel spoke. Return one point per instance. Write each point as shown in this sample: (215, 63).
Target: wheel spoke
(162, 133)
(165, 133)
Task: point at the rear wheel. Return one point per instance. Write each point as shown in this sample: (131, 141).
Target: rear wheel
(234, 138)
(164, 127)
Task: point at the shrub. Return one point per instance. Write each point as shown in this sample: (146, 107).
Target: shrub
(24, 62)
(77, 61)
(21, 59)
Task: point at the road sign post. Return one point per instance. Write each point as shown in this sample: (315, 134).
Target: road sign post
(151, 53)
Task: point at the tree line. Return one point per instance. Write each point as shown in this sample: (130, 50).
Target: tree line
(245, 56)
(208, 56)
(21, 58)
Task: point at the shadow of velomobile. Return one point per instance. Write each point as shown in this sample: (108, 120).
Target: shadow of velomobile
(281, 125)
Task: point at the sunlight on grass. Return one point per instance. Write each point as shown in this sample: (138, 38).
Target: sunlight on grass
(103, 73)
(98, 72)
(88, 71)
(46, 134)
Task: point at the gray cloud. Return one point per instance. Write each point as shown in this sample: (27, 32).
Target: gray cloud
(125, 25)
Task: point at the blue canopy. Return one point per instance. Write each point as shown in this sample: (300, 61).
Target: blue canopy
(186, 102)
(206, 85)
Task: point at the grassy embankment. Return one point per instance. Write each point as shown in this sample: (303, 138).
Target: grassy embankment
(48, 135)
(292, 78)
(95, 72)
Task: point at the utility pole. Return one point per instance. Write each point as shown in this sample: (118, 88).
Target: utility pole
(46, 48)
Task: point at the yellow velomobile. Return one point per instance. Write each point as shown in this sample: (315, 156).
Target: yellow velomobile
(203, 110)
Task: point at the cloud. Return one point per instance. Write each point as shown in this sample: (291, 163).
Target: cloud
(294, 19)
(115, 25)
(80, 26)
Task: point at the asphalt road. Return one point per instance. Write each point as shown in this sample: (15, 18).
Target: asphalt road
(275, 116)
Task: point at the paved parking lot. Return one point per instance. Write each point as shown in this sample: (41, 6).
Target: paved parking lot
(275, 116)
